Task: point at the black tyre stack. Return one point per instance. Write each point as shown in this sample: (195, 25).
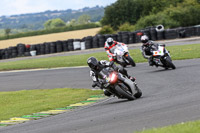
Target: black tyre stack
(70, 45)
(95, 42)
(197, 30)
(53, 47)
(59, 46)
(42, 48)
(13, 52)
(27, 50)
(181, 32)
(170, 34)
(0, 54)
(132, 37)
(190, 31)
(153, 33)
(107, 36)
(114, 37)
(65, 45)
(102, 40)
(88, 42)
(21, 49)
(119, 37)
(125, 37)
(47, 48)
(137, 37)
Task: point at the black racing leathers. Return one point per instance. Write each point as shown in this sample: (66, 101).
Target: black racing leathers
(101, 65)
(147, 51)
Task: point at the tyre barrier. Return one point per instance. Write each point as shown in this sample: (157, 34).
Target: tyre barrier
(160, 32)
(154, 33)
(65, 45)
(102, 40)
(47, 48)
(77, 44)
(59, 46)
(147, 32)
(88, 42)
(13, 52)
(107, 36)
(160, 28)
(42, 49)
(197, 30)
(53, 47)
(0, 53)
(125, 37)
(95, 42)
(170, 34)
(132, 37)
(82, 45)
(119, 37)
(160, 35)
(114, 36)
(137, 38)
(21, 49)
(70, 45)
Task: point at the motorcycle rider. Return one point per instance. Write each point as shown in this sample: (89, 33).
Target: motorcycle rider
(147, 48)
(96, 66)
(110, 46)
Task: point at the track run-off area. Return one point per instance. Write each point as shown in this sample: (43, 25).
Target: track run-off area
(169, 97)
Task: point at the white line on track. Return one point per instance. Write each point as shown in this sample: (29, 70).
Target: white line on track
(42, 69)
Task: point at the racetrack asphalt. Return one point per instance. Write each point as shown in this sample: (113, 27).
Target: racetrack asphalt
(169, 97)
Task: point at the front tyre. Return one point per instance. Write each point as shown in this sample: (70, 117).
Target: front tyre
(139, 92)
(169, 63)
(131, 61)
(124, 92)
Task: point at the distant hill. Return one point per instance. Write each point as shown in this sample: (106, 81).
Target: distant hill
(35, 21)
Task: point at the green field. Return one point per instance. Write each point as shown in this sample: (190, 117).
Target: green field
(26, 102)
(177, 52)
(188, 127)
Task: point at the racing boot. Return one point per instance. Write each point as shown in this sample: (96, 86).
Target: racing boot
(131, 78)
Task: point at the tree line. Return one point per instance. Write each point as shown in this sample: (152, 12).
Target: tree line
(144, 13)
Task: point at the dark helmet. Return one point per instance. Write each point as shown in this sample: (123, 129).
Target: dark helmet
(92, 62)
(144, 39)
(110, 41)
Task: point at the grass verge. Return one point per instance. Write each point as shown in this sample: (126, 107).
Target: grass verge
(18, 103)
(188, 127)
(177, 52)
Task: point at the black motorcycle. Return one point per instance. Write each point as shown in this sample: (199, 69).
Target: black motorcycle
(118, 84)
(161, 57)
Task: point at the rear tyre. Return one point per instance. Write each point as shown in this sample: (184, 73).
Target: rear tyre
(124, 92)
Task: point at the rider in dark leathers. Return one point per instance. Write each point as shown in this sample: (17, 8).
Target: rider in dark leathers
(96, 66)
(147, 49)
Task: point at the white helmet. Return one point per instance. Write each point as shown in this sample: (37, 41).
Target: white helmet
(109, 41)
(144, 39)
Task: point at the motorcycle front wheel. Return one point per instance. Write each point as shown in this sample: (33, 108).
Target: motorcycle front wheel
(131, 61)
(169, 63)
(124, 92)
